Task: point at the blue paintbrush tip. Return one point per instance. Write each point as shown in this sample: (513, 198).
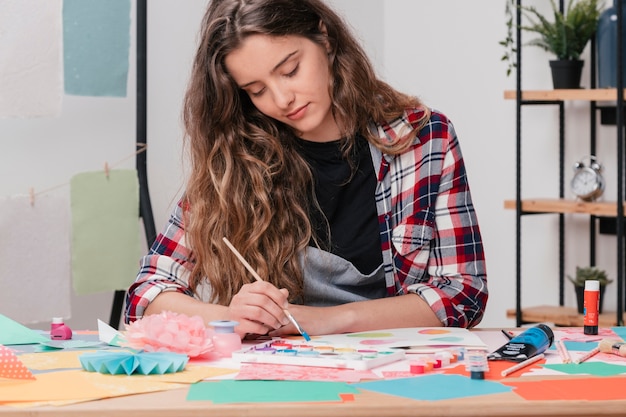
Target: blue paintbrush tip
(306, 336)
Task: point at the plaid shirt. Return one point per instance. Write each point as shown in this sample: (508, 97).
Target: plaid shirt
(431, 242)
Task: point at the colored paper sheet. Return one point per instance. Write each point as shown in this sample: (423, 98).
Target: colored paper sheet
(589, 368)
(35, 257)
(577, 333)
(404, 337)
(13, 333)
(264, 371)
(620, 331)
(126, 362)
(96, 43)
(80, 385)
(11, 367)
(105, 230)
(109, 335)
(228, 391)
(495, 369)
(54, 360)
(574, 346)
(434, 387)
(575, 389)
(66, 344)
(31, 66)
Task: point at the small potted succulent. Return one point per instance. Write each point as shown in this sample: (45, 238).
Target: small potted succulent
(588, 273)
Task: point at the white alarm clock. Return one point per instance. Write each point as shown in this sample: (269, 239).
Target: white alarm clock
(587, 182)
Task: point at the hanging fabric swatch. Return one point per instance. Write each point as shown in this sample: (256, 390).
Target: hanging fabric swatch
(35, 257)
(105, 230)
(96, 44)
(31, 69)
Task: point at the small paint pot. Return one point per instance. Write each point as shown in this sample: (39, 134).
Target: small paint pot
(308, 353)
(324, 349)
(301, 348)
(282, 345)
(287, 352)
(417, 367)
(265, 350)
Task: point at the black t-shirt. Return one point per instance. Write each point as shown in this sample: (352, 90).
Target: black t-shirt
(345, 194)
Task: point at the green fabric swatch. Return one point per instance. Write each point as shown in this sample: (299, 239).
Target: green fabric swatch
(232, 391)
(105, 230)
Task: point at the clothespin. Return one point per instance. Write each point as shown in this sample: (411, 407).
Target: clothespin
(31, 195)
(106, 170)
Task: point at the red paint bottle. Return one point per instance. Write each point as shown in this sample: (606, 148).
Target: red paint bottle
(592, 306)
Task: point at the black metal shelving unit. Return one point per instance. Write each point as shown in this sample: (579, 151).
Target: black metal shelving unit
(141, 140)
(520, 212)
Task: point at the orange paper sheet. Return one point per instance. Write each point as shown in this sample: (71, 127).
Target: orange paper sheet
(590, 389)
(79, 385)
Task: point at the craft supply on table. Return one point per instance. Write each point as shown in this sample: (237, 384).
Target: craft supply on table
(59, 330)
(476, 362)
(225, 340)
(522, 365)
(143, 363)
(614, 346)
(587, 355)
(290, 352)
(563, 352)
(591, 307)
(258, 278)
(530, 342)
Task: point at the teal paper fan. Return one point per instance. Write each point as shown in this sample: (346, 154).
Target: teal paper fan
(144, 363)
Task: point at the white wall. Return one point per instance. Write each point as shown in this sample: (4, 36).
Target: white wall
(444, 51)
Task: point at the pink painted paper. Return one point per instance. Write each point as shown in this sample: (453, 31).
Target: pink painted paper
(261, 371)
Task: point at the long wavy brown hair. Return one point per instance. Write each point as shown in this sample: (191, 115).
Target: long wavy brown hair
(247, 182)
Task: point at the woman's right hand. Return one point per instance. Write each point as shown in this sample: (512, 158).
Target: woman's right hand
(258, 307)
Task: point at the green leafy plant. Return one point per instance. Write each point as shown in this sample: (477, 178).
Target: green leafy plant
(589, 273)
(565, 36)
(510, 51)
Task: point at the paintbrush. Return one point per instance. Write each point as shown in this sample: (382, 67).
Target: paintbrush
(258, 278)
(614, 346)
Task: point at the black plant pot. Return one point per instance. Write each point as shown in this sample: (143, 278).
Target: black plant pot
(580, 298)
(566, 73)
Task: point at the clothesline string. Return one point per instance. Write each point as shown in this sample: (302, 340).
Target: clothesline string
(141, 147)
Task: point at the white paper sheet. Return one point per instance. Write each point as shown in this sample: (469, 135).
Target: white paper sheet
(31, 65)
(35, 258)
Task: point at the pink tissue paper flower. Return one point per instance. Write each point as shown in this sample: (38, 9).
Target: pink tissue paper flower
(170, 332)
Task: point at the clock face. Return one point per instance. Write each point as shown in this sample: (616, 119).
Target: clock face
(586, 183)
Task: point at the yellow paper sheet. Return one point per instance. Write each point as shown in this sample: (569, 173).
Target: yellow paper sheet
(79, 385)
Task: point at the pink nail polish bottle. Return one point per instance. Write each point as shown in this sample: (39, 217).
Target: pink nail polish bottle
(225, 340)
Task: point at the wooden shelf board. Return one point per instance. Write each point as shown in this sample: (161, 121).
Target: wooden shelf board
(559, 205)
(603, 94)
(561, 316)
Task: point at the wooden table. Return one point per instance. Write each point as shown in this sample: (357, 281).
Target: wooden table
(173, 404)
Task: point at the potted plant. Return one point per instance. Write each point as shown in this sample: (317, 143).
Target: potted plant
(588, 273)
(564, 36)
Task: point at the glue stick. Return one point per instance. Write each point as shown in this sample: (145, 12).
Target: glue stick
(591, 306)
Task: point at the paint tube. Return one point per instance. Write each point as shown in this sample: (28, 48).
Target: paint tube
(531, 342)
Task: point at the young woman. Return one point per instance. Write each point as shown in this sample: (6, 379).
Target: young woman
(349, 198)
